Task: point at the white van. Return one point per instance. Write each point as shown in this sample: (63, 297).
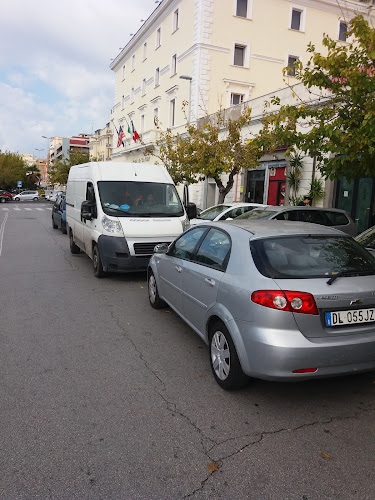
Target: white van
(117, 212)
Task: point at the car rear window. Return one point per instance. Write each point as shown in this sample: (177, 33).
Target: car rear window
(310, 256)
(257, 214)
(337, 218)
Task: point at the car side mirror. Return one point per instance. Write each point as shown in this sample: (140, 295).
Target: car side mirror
(88, 210)
(161, 248)
(191, 210)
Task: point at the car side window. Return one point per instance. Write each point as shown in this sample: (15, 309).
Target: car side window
(336, 219)
(287, 215)
(185, 245)
(214, 250)
(314, 216)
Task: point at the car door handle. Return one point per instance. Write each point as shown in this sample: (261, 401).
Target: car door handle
(209, 281)
(178, 269)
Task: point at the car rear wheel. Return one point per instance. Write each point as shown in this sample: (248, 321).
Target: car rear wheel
(153, 294)
(73, 247)
(16, 199)
(2, 200)
(224, 360)
(97, 263)
(36, 198)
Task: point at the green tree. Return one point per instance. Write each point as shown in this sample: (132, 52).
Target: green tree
(337, 125)
(12, 169)
(211, 147)
(58, 171)
(32, 177)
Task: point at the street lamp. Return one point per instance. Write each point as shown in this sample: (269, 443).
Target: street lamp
(190, 78)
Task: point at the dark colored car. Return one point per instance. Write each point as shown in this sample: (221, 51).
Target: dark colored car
(367, 239)
(5, 196)
(59, 214)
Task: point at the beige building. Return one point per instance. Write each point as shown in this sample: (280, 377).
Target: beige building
(101, 144)
(214, 54)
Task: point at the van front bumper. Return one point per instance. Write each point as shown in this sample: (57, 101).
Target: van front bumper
(116, 257)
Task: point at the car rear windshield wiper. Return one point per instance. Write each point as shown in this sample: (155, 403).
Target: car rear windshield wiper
(363, 272)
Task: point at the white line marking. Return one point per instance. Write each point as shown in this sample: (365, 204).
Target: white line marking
(2, 227)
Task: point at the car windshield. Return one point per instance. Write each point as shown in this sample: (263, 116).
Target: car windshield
(311, 256)
(212, 212)
(257, 214)
(141, 199)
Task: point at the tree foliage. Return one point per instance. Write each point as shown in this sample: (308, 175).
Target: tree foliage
(58, 171)
(338, 124)
(211, 147)
(12, 169)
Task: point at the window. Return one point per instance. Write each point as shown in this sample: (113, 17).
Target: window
(214, 250)
(175, 20)
(156, 116)
(343, 28)
(145, 51)
(142, 123)
(236, 99)
(185, 245)
(158, 37)
(239, 55)
(174, 65)
(241, 8)
(172, 112)
(296, 20)
(133, 62)
(157, 77)
(144, 86)
(292, 70)
(132, 95)
(123, 72)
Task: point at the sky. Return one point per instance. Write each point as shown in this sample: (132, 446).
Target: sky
(55, 78)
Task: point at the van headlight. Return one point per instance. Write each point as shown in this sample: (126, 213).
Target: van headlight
(185, 224)
(112, 226)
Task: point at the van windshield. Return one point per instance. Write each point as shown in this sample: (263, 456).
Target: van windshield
(140, 199)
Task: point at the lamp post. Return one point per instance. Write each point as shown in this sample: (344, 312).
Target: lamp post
(190, 78)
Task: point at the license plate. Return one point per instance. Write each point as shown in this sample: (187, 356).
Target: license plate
(339, 318)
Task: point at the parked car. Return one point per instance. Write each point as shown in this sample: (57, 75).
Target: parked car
(332, 217)
(367, 239)
(52, 196)
(59, 214)
(5, 196)
(224, 211)
(280, 301)
(26, 196)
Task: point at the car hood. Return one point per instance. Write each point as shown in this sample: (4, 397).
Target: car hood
(151, 227)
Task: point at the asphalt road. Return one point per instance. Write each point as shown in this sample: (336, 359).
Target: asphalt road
(103, 397)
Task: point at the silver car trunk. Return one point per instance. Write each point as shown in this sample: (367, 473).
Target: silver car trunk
(355, 293)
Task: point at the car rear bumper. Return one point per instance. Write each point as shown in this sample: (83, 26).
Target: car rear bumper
(275, 355)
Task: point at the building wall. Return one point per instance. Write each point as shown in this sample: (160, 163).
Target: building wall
(203, 48)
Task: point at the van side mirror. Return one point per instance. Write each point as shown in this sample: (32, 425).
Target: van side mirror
(191, 210)
(88, 210)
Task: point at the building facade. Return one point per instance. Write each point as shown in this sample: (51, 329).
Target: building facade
(101, 144)
(216, 54)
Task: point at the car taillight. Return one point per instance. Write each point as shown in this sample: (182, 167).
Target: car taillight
(286, 300)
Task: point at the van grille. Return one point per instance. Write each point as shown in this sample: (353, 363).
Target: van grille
(145, 248)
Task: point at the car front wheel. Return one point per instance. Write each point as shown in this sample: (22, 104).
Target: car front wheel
(2, 200)
(35, 199)
(97, 263)
(16, 199)
(224, 360)
(153, 294)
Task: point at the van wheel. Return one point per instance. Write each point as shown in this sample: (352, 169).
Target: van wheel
(97, 262)
(224, 360)
(73, 247)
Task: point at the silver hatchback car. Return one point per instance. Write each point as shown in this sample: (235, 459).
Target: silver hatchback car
(278, 300)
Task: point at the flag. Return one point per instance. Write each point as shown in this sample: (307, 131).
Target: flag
(120, 137)
(136, 136)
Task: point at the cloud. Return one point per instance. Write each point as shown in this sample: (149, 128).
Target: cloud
(54, 74)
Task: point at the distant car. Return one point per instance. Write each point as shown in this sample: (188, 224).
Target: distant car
(279, 300)
(53, 196)
(332, 217)
(367, 239)
(27, 196)
(59, 214)
(5, 196)
(224, 211)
